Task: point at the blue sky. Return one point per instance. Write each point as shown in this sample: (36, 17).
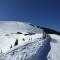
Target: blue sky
(45, 13)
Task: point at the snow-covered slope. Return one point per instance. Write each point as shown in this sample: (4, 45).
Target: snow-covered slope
(13, 26)
(25, 41)
(18, 39)
(29, 51)
(54, 53)
(10, 31)
(7, 41)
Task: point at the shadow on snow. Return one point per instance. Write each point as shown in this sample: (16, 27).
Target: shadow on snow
(42, 54)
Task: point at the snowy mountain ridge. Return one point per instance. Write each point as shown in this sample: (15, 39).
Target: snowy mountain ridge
(13, 26)
(25, 41)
